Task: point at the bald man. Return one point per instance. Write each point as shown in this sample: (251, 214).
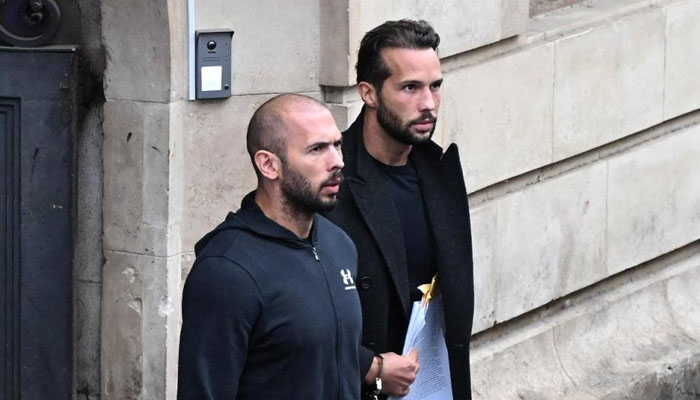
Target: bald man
(270, 309)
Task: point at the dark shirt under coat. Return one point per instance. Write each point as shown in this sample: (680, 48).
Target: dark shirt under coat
(365, 211)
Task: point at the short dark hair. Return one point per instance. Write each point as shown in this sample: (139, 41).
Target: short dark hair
(265, 131)
(267, 127)
(403, 34)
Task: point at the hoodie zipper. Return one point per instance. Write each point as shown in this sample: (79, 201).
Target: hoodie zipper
(335, 315)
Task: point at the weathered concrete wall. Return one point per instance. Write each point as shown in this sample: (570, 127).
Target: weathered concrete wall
(579, 130)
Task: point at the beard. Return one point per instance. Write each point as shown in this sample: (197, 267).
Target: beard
(299, 195)
(400, 131)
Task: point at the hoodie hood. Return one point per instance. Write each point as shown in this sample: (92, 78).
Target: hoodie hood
(250, 218)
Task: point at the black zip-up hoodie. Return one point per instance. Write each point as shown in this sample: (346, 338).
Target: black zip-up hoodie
(267, 315)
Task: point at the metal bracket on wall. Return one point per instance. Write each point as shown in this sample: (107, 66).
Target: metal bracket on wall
(28, 23)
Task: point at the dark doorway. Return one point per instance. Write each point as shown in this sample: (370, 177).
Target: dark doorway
(37, 135)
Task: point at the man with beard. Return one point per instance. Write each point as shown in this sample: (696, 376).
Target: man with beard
(405, 207)
(270, 309)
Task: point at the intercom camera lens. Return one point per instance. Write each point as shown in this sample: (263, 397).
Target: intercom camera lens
(211, 45)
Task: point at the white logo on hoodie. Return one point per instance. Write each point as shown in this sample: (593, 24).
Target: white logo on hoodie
(347, 279)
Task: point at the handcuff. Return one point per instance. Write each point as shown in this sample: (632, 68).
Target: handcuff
(378, 378)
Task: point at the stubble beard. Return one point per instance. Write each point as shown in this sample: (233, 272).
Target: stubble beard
(300, 198)
(392, 124)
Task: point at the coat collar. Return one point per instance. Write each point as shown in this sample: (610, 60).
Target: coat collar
(361, 165)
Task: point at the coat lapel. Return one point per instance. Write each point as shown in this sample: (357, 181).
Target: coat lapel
(443, 189)
(432, 188)
(379, 214)
(438, 190)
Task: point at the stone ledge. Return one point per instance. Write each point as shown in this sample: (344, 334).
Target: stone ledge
(682, 80)
(539, 244)
(680, 381)
(594, 91)
(613, 209)
(608, 82)
(569, 21)
(550, 171)
(653, 200)
(489, 107)
(599, 342)
(538, 7)
(541, 29)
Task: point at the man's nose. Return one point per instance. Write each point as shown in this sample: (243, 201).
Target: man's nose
(427, 100)
(336, 158)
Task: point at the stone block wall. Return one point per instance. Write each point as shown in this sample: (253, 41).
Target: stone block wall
(479, 23)
(144, 88)
(580, 134)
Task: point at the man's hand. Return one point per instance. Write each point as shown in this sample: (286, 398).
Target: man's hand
(399, 372)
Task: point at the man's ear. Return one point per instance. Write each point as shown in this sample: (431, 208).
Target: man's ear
(268, 163)
(368, 94)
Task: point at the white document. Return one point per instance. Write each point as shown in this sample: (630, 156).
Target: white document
(426, 332)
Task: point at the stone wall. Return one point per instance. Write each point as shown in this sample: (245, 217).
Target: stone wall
(145, 87)
(82, 25)
(579, 131)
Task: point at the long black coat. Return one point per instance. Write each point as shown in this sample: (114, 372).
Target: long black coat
(366, 212)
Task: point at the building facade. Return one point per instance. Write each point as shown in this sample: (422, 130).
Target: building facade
(578, 123)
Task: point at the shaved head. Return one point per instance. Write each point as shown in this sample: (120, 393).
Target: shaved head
(268, 126)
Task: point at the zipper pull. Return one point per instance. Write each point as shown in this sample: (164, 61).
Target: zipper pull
(313, 249)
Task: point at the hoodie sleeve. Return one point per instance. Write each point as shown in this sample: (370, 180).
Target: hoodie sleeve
(220, 305)
(366, 360)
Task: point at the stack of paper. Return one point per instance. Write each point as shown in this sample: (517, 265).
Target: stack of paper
(426, 332)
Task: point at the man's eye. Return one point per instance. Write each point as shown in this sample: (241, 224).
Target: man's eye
(436, 85)
(409, 88)
(315, 149)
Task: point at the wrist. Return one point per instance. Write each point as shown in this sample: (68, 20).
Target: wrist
(380, 361)
(372, 371)
(378, 378)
